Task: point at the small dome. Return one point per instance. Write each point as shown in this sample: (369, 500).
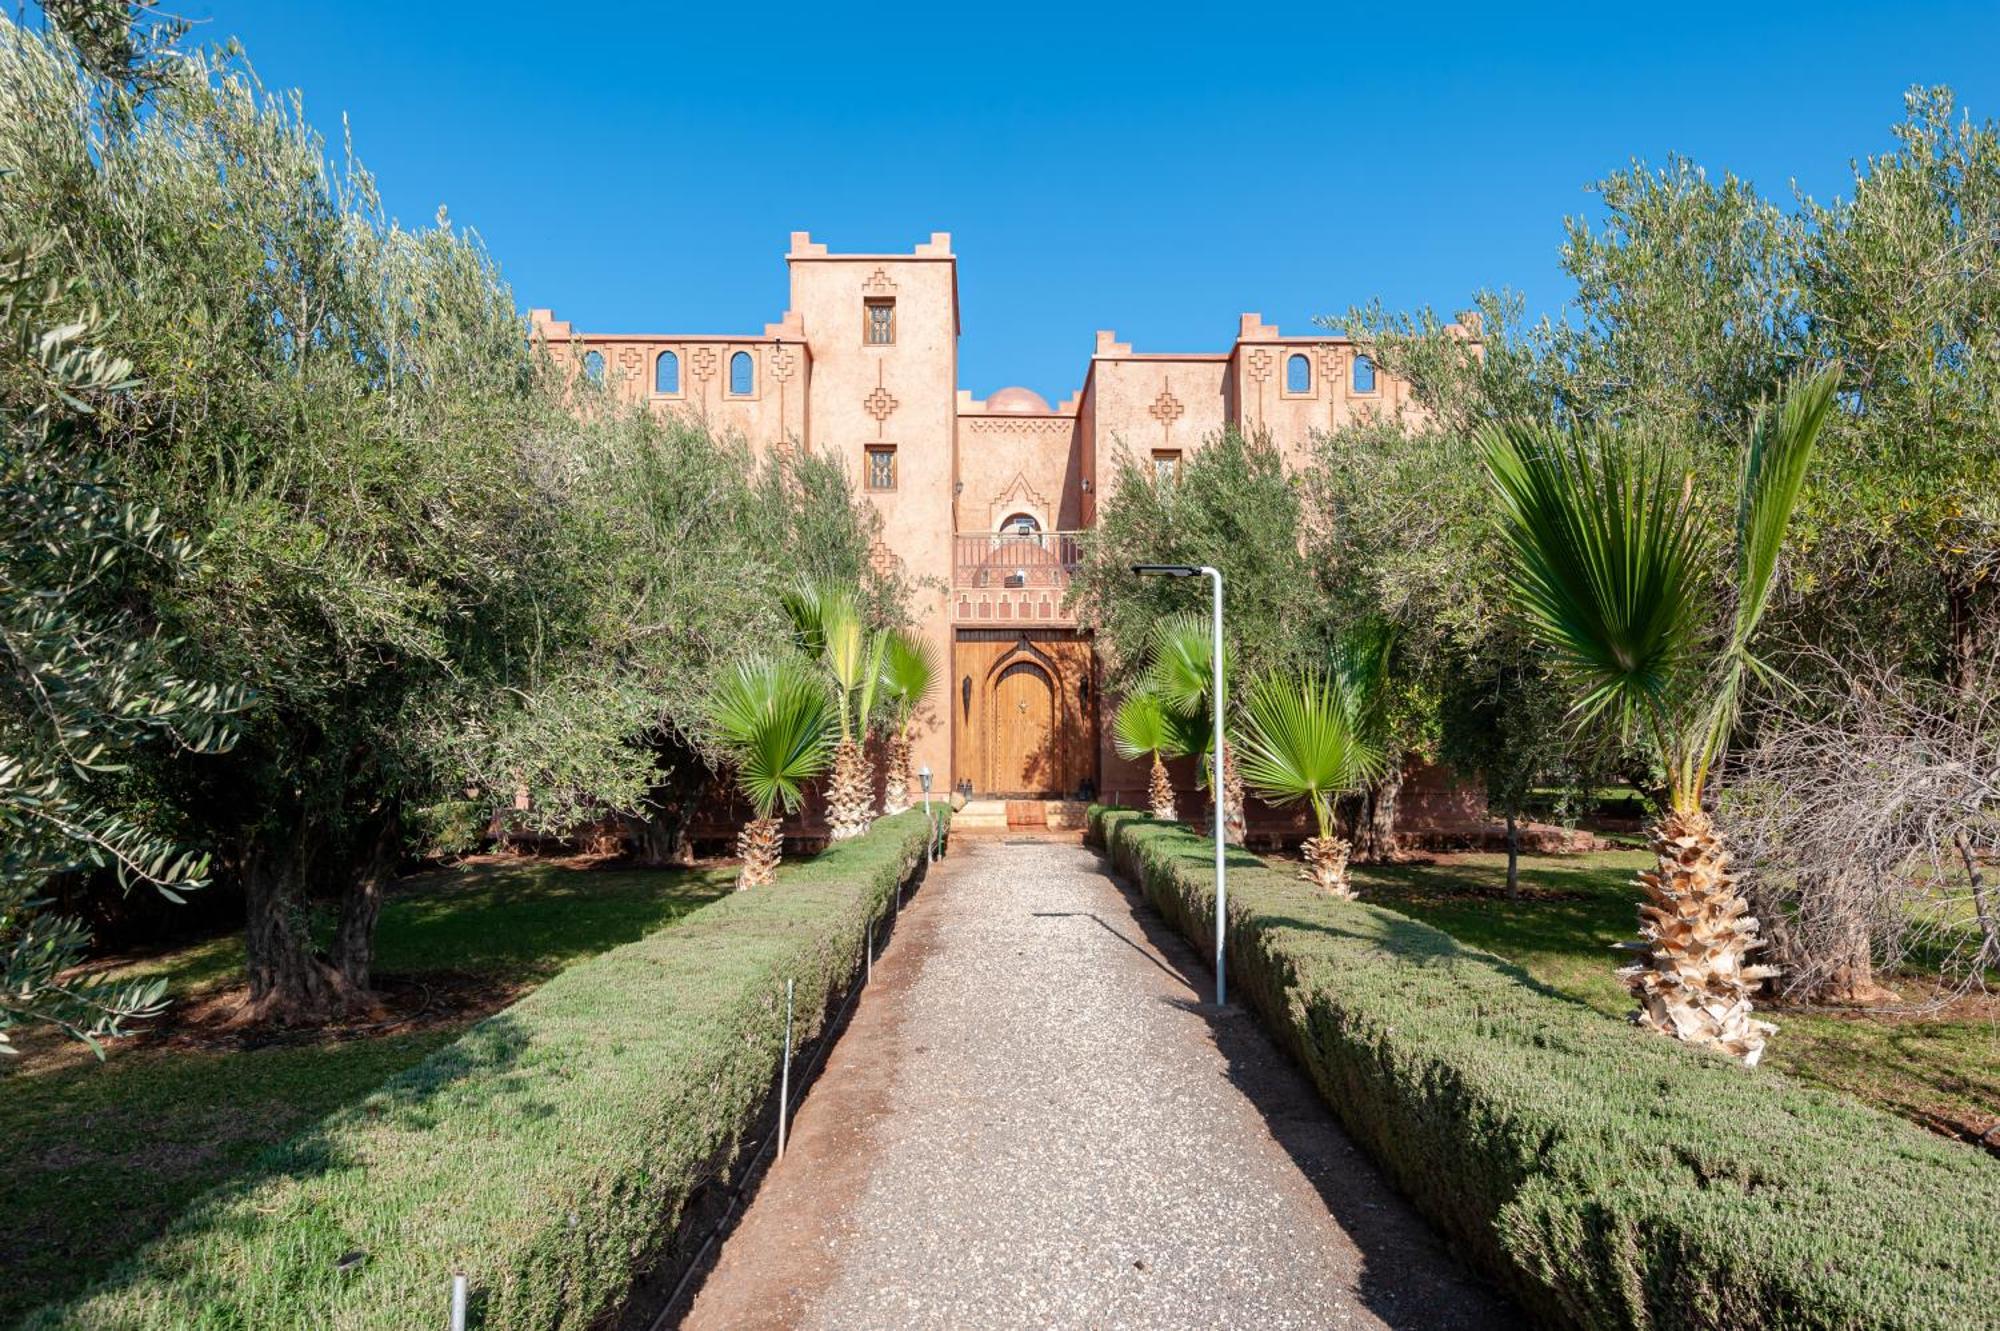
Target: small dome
(1017, 401)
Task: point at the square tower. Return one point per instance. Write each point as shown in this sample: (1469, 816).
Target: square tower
(883, 333)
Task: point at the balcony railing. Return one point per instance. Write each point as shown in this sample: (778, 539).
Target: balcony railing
(996, 561)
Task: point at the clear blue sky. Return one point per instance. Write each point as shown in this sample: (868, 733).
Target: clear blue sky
(1154, 171)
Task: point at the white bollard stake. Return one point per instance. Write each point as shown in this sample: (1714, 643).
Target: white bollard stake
(458, 1303)
(785, 1073)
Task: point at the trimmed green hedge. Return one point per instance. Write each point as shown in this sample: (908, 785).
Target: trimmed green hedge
(1605, 1177)
(548, 1154)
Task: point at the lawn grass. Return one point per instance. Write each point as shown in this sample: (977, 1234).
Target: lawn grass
(1575, 907)
(548, 1153)
(101, 1156)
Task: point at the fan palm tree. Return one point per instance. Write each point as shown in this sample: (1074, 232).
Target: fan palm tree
(909, 673)
(830, 628)
(1145, 728)
(773, 718)
(1610, 559)
(1182, 675)
(1304, 739)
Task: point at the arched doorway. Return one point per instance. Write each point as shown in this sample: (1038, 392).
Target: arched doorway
(1023, 756)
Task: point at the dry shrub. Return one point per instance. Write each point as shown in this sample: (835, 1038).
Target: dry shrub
(1869, 812)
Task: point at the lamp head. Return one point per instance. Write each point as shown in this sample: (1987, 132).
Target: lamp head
(1165, 570)
(924, 777)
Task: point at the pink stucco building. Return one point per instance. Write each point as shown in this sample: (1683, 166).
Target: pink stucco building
(986, 495)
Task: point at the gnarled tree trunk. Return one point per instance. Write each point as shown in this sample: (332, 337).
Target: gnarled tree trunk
(291, 984)
(1692, 980)
(1377, 833)
(361, 906)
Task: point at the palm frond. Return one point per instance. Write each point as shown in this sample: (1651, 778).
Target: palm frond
(1141, 727)
(1606, 548)
(1775, 463)
(909, 672)
(1181, 672)
(774, 719)
(1302, 739)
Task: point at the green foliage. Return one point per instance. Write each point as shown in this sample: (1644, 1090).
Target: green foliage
(549, 1153)
(834, 626)
(1608, 550)
(910, 672)
(1304, 738)
(1231, 507)
(1696, 299)
(1143, 727)
(1605, 1178)
(85, 681)
(773, 718)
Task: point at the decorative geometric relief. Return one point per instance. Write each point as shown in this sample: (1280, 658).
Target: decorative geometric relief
(879, 404)
(1260, 364)
(989, 425)
(629, 358)
(1166, 408)
(783, 362)
(1329, 362)
(703, 362)
(878, 284)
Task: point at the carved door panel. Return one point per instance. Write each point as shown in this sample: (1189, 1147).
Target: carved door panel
(1024, 757)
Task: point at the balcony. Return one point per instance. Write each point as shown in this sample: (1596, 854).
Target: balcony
(1005, 579)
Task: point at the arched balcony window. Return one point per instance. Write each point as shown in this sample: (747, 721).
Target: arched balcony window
(667, 374)
(593, 366)
(1364, 375)
(1020, 524)
(742, 375)
(1298, 373)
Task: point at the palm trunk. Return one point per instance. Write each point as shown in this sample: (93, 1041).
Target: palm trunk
(896, 784)
(1161, 792)
(761, 845)
(1233, 824)
(1325, 865)
(847, 795)
(1692, 981)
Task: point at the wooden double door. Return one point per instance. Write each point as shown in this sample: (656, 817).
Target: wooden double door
(1024, 712)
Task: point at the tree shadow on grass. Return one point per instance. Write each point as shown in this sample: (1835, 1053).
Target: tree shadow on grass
(463, 1082)
(1411, 1277)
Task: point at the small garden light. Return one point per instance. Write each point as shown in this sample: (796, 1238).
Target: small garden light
(1215, 778)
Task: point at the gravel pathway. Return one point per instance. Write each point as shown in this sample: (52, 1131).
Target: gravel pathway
(1036, 1120)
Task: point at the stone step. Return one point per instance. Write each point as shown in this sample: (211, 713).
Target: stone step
(998, 815)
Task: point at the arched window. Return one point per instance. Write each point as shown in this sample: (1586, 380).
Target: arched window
(593, 366)
(742, 375)
(1364, 375)
(667, 373)
(1298, 373)
(1020, 524)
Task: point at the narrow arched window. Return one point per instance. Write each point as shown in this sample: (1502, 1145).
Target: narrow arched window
(742, 375)
(1364, 375)
(593, 366)
(667, 373)
(1298, 373)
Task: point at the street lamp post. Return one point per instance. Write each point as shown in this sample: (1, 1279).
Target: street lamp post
(1215, 777)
